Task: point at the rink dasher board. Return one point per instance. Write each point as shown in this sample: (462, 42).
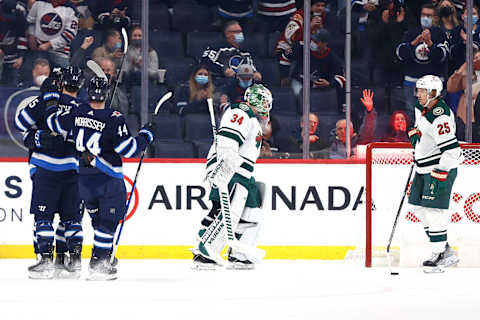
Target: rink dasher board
(313, 209)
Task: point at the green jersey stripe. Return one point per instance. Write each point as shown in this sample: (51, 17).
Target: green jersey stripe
(233, 131)
(450, 146)
(231, 136)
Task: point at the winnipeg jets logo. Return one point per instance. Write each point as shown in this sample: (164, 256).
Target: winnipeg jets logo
(51, 23)
(421, 53)
(116, 114)
(234, 62)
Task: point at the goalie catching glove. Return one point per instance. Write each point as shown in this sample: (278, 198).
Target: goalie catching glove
(438, 181)
(228, 162)
(414, 135)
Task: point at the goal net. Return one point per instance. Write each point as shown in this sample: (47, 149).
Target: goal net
(387, 169)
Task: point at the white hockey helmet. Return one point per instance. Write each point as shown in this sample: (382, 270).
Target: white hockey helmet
(260, 98)
(430, 82)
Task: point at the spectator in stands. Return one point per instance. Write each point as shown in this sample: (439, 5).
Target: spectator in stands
(53, 25)
(447, 19)
(111, 49)
(192, 97)
(385, 35)
(40, 72)
(338, 148)
(13, 41)
(294, 143)
(458, 49)
(120, 100)
(79, 58)
(397, 128)
(235, 89)
(133, 60)
(222, 60)
(325, 67)
(458, 83)
(423, 50)
(85, 20)
(293, 35)
(269, 141)
(112, 14)
(273, 15)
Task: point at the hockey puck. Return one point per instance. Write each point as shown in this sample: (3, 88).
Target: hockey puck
(394, 273)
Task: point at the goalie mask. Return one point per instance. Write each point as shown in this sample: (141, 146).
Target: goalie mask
(98, 89)
(260, 99)
(430, 83)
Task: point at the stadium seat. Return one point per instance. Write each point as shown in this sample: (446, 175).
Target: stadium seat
(167, 44)
(323, 101)
(256, 44)
(284, 101)
(173, 149)
(197, 42)
(198, 127)
(287, 124)
(269, 68)
(154, 94)
(382, 126)
(178, 69)
(187, 18)
(159, 17)
(202, 147)
(326, 124)
(170, 126)
(397, 98)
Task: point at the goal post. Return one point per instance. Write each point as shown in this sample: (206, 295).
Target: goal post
(387, 167)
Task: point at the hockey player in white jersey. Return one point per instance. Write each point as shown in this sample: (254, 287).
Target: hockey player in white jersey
(437, 156)
(53, 24)
(232, 162)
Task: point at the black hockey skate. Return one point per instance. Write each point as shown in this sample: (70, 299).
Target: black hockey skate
(201, 262)
(100, 269)
(434, 264)
(74, 265)
(61, 271)
(235, 263)
(44, 268)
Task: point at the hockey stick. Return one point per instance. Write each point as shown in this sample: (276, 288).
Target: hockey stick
(162, 100)
(92, 65)
(253, 253)
(119, 71)
(396, 220)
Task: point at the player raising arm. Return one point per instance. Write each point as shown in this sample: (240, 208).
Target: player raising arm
(102, 135)
(437, 156)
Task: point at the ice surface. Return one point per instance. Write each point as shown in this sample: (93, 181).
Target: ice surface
(169, 289)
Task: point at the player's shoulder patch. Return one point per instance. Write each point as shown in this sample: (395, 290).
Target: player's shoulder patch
(244, 107)
(116, 114)
(439, 110)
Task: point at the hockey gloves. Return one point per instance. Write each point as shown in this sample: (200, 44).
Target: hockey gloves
(47, 140)
(414, 134)
(148, 132)
(438, 181)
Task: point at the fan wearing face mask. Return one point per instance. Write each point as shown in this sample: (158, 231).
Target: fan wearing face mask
(224, 58)
(191, 97)
(424, 50)
(133, 60)
(235, 89)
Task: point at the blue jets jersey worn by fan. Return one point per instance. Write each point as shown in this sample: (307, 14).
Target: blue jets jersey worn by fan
(102, 132)
(31, 119)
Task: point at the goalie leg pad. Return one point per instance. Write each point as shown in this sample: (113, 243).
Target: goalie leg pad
(213, 240)
(248, 230)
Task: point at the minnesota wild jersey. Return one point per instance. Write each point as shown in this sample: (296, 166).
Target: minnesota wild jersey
(240, 130)
(437, 126)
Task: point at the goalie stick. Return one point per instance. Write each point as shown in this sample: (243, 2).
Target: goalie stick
(253, 253)
(162, 100)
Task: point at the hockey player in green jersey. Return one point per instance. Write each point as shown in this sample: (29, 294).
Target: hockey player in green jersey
(437, 156)
(231, 162)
